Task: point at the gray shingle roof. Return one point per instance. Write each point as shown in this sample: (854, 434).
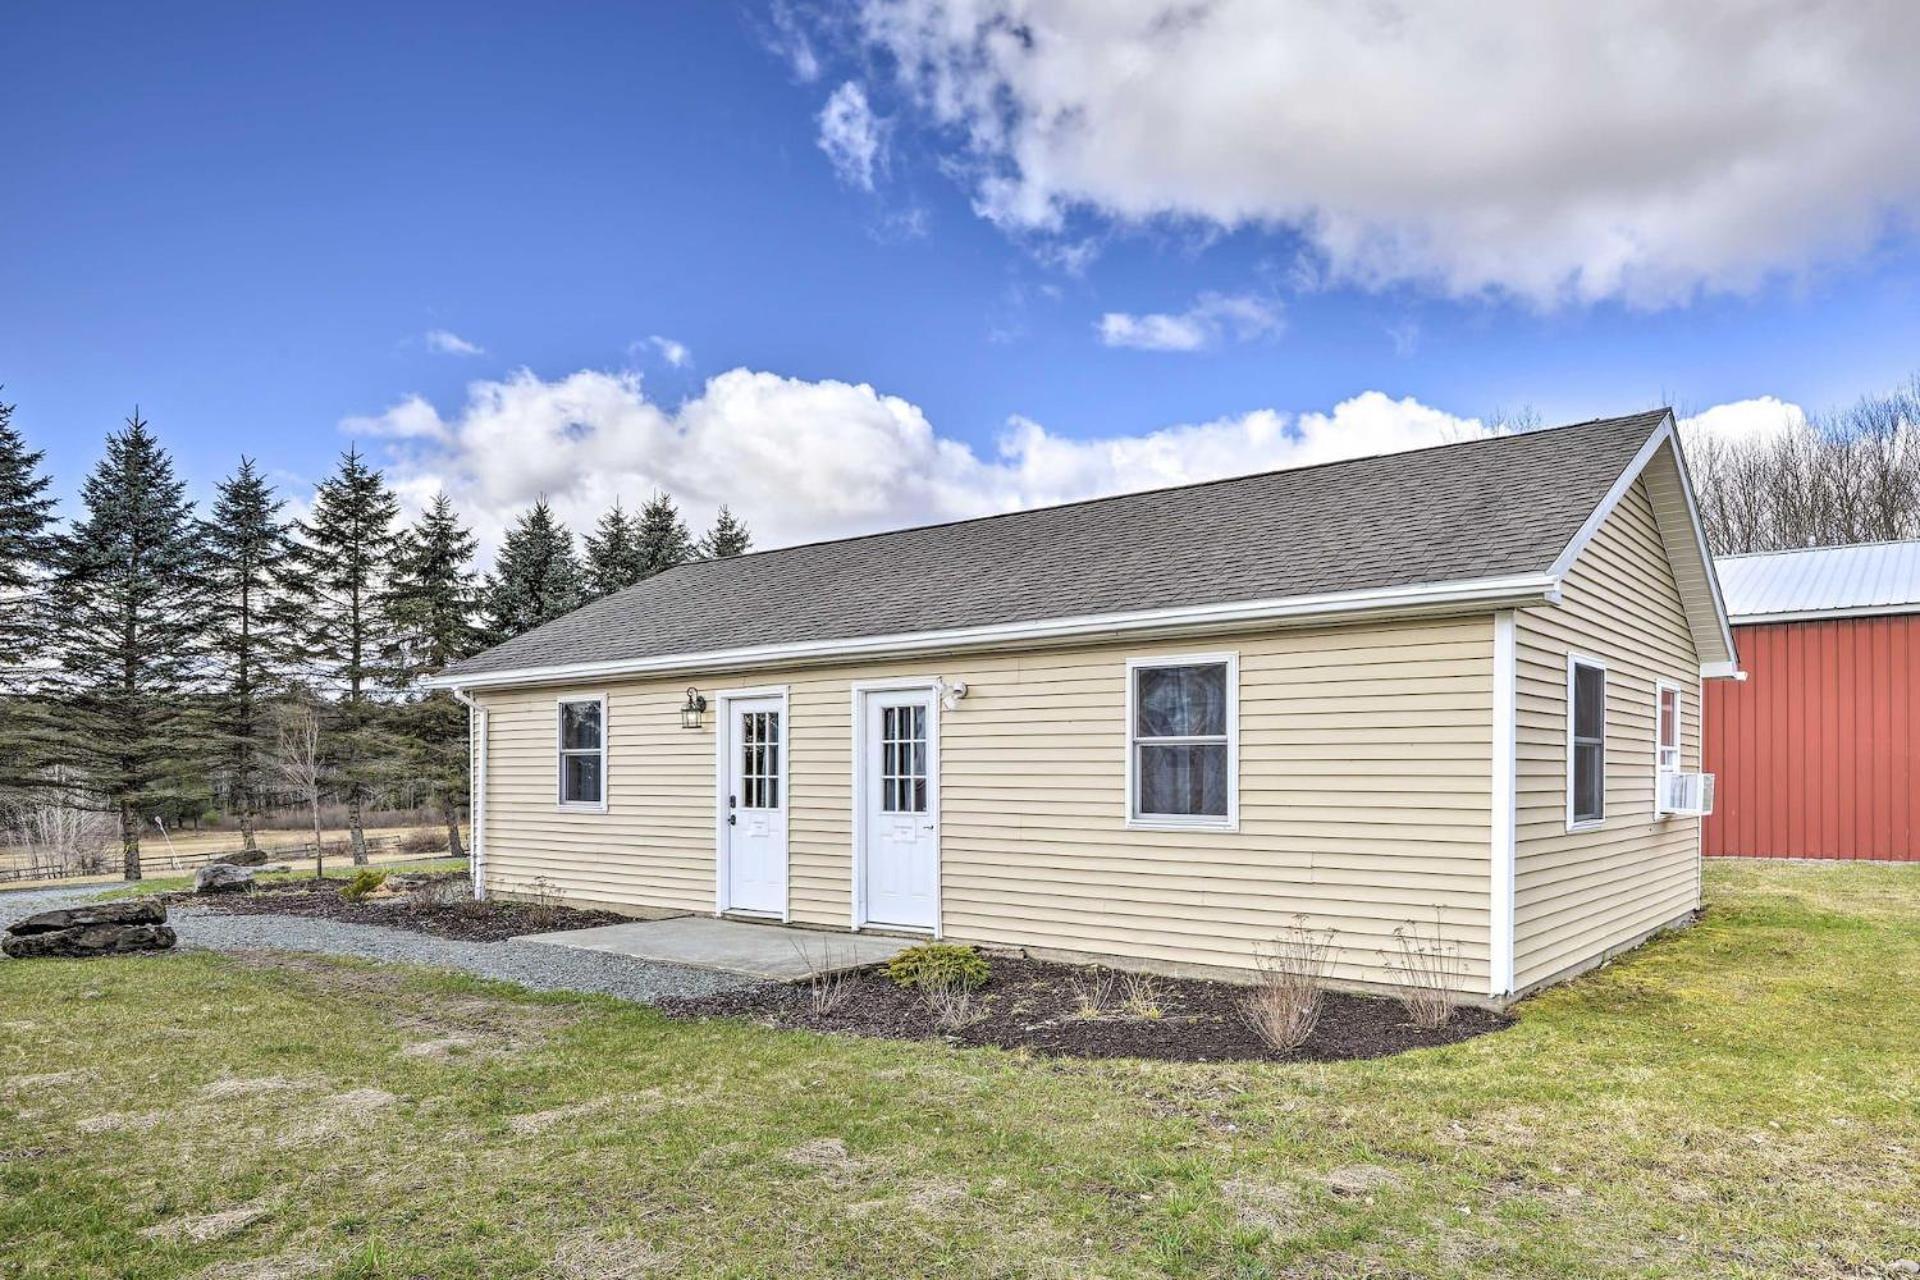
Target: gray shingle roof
(1482, 509)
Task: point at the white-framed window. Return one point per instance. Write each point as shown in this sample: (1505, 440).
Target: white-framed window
(580, 734)
(1667, 710)
(1183, 741)
(1586, 742)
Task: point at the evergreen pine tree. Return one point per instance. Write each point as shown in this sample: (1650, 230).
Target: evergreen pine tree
(728, 537)
(535, 578)
(26, 544)
(130, 615)
(664, 540)
(432, 603)
(26, 548)
(613, 553)
(249, 549)
(339, 576)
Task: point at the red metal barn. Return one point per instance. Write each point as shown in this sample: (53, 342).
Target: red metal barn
(1817, 751)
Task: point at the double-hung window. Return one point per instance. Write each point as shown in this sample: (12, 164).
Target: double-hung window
(1183, 752)
(583, 753)
(1666, 742)
(1586, 742)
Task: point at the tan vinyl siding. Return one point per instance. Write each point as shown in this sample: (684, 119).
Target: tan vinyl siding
(1365, 754)
(1578, 894)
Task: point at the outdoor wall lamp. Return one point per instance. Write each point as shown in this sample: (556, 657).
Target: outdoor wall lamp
(696, 707)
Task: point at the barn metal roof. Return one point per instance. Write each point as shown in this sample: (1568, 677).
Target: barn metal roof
(1821, 582)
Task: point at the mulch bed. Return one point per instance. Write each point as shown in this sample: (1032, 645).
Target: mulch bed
(461, 919)
(1035, 1005)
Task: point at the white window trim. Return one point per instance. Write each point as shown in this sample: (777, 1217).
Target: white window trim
(559, 760)
(1661, 688)
(1606, 692)
(1174, 822)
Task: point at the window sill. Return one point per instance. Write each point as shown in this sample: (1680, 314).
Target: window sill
(1590, 824)
(1175, 824)
(564, 807)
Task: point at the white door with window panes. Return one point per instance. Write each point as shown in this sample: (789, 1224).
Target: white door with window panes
(901, 825)
(756, 822)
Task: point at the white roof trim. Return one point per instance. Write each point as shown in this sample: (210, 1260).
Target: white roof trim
(1440, 597)
(1663, 435)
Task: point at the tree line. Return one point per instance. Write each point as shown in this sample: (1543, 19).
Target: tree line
(1845, 476)
(154, 657)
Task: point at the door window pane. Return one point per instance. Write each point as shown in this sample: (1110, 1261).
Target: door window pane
(903, 759)
(760, 760)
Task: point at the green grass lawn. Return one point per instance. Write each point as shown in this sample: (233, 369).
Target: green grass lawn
(1739, 1100)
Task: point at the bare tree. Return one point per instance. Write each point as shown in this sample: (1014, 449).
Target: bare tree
(298, 764)
(1850, 475)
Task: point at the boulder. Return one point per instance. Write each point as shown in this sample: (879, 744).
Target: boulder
(126, 911)
(218, 877)
(244, 858)
(88, 940)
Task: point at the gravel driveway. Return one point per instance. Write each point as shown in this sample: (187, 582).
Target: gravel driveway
(544, 968)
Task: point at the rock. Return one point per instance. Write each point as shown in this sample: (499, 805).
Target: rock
(244, 858)
(218, 877)
(89, 940)
(1903, 1267)
(126, 911)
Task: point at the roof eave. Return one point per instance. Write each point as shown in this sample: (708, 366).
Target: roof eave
(1429, 599)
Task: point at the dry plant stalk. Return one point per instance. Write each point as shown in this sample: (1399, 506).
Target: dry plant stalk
(953, 1007)
(1093, 991)
(1430, 972)
(1142, 996)
(830, 978)
(1284, 1005)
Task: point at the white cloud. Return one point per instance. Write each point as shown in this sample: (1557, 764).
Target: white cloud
(1741, 421)
(802, 460)
(789, 39)
(1201, 325)
(1560, 151)
(673, 352)
(851, 135)
(451, 344)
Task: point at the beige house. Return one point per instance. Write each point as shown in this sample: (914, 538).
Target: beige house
(1452, 689)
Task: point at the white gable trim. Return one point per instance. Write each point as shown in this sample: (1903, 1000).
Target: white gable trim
(1664, 436)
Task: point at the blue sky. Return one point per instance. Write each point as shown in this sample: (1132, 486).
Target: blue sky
(248, 219)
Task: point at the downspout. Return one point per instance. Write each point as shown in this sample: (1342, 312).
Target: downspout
(476, 789)
(1500, 916)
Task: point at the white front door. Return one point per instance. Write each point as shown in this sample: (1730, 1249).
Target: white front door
(756, 806)
(901, 822)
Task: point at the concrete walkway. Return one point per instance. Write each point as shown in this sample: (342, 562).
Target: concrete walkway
(769, 951)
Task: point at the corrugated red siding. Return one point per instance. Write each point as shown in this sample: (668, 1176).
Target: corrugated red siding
(1815, 752)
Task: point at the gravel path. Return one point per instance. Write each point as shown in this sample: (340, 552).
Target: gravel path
(541, 966)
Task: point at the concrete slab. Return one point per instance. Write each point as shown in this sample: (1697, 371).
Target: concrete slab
(770, 951)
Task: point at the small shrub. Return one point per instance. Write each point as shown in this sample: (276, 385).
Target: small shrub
(1285, 1003)
(954, 1007)
(1429, 971)
(364, 882)
(939, 966)
(1142, 997)
(543, 903)
(830, 977)
(1093, 991)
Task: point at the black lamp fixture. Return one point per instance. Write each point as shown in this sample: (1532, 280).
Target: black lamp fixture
(695, 708)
